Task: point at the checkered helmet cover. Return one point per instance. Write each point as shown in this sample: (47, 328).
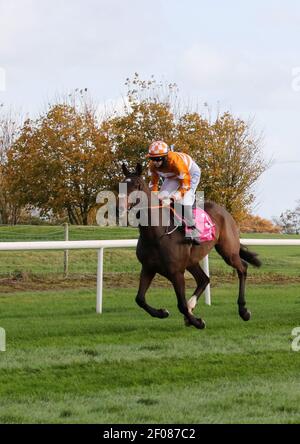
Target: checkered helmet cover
(158, 148)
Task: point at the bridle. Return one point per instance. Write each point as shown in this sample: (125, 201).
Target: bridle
(170, 207)
(166, 233)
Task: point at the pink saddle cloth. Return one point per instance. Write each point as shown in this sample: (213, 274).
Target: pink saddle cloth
(204, 224)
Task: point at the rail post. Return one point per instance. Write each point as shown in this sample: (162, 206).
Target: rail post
(66, 252)
(205, 266)
(99, 281)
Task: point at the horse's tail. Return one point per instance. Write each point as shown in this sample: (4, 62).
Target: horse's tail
(249, 256)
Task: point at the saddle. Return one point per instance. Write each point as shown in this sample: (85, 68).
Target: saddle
(204, 225)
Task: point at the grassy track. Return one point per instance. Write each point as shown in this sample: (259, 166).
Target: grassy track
(64, 363)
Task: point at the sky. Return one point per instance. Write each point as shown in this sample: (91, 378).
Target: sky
(238, 56)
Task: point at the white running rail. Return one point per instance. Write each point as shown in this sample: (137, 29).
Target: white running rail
(122, 243)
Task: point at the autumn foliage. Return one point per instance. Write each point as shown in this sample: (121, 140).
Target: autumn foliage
(227, 151)
(9, 207)
(61, 160)
(256, 224)
(59, 163)
(229, 157)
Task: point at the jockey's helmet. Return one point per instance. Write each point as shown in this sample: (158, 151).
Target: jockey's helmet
(158, 149)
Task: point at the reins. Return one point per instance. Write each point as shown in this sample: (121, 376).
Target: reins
(166, 233)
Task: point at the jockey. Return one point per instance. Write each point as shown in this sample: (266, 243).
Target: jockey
(181, 176)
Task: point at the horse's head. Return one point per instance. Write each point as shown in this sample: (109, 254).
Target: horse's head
(133, 182)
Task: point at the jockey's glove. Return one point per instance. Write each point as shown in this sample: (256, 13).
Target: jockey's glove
(176, 196)
(166, 202)
(163, 195)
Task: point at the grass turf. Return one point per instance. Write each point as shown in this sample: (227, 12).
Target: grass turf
(283, 261)
(65, 364)
(276, 261)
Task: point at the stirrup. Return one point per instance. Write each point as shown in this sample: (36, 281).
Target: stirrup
(194, 239)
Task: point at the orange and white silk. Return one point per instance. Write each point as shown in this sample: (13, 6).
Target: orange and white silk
(181, 176)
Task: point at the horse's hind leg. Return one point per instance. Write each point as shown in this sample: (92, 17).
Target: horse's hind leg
(178, 282)
(146, 278)
(202, 281)
(242, 274)
(241, 267)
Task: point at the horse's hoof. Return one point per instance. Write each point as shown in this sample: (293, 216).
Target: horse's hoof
(246, 315)
(163, 313)
(202, 323)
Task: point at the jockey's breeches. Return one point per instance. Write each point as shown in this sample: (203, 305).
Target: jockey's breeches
(170, 186)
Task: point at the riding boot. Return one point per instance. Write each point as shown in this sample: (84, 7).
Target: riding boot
(191, 224)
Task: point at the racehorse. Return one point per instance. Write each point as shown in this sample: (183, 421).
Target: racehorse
(169, 253)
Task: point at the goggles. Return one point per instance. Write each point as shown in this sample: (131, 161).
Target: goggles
(157, 159)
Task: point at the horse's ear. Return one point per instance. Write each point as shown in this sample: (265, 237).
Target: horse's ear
(125, 170)
(139, 169)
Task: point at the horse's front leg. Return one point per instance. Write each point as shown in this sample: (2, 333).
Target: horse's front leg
(146, 278)
(202, 281)
(178, 282)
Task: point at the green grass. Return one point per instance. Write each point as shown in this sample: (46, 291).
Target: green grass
(40, 232)
(276, 260)
(120, 260)
(66, 364)
(51, 262)
(44, 232)
(84, 262)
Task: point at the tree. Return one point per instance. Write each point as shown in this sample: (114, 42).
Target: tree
(60, 162)
(62, 159)
(289, 220)
(147, 116)
(229, 156)
(9, 209)
(226, 149)
(256, 224)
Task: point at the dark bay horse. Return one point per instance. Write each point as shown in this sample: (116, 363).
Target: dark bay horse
(171, 254)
